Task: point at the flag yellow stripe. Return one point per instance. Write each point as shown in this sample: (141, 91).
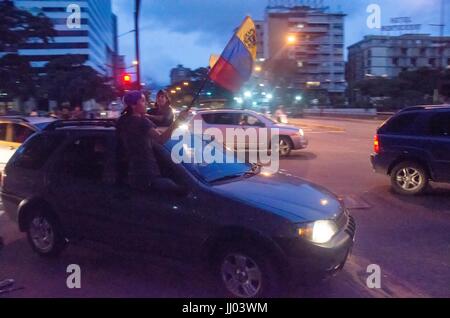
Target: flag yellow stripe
(247, 35)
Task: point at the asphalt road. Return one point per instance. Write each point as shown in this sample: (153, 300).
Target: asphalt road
(409, 238)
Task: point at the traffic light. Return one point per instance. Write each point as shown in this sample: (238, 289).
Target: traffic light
(126, 79)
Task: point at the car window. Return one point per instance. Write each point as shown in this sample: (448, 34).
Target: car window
(249, 120)
(21, 133)
(403, 124)
(85, 158)
(36, 151)
(222, 118)
(440, 125)
(3, 127)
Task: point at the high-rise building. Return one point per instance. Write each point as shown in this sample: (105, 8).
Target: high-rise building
(312, 36)
(260, 35)
(93, 37)
(179, 74)
(387, 56)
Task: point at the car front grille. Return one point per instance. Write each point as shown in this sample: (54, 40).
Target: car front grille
(342, 220)
(346, 222)
(351, 227)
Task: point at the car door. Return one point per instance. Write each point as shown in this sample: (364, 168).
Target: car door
(160, 222)
(439, 145)
(222, 121)
(7, 148)
(79, 182)
(252, 126)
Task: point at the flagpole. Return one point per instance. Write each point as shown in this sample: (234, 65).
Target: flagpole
(202, 86)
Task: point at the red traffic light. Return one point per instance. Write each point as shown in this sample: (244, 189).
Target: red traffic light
(127, 78)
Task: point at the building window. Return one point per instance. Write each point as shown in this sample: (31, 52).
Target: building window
(423, 51)
(413, 61)
(432, 62)
(395, 61)
(404, 51)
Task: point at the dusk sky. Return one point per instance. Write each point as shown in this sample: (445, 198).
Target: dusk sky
(188, 31)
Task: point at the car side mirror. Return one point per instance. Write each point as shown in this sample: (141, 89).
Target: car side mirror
(166, 185)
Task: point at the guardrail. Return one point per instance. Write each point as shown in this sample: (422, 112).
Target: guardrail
(370, 113)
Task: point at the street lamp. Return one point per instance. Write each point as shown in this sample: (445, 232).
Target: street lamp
(258, 68)
(291, 39)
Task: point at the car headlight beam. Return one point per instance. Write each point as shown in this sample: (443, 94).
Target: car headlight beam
(318, 232)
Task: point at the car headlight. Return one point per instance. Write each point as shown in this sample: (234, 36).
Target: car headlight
(318, 232)
(301, 132)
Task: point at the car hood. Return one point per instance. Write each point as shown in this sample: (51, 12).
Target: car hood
(285, 126)
(285, 195)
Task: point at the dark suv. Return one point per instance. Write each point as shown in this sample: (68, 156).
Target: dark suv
(413, 147)
(254, 231)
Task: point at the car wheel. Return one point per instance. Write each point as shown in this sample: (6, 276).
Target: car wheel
(245, 273)
(45, 235)
(409, 178)
(285, 146)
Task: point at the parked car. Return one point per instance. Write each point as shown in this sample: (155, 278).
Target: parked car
(63, 184)
(14, 130)
(413, 147)
(290, 137)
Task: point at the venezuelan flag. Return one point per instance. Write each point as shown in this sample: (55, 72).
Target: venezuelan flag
(235, 65)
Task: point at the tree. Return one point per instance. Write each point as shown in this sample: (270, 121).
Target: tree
(18, 80)
(18, 26)
(281, 72)
(409, 88)
(68, 79)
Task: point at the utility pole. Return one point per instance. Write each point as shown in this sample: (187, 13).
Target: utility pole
(137, 44)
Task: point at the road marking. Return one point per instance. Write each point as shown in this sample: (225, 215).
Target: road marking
(391, 286)
(327, 132)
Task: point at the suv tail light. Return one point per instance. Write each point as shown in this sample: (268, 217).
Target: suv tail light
(376, 144)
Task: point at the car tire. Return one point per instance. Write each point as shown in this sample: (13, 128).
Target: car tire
(409, 178)
(45, 234)
(285, 146)
(246, 272)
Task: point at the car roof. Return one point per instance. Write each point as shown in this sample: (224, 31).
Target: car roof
(426, 108)
(225, 110)
(27, 119)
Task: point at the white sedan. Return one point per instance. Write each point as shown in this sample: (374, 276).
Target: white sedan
(290, 137)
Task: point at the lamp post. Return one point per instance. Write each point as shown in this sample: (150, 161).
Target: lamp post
(137, 44)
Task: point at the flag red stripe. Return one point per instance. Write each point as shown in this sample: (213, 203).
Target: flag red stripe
(224, 74)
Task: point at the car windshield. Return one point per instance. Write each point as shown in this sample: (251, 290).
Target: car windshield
(270, 119)
(226, 165)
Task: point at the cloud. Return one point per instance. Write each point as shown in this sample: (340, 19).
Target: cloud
(188, 31)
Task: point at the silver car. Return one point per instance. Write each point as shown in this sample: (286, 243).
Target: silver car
(290, 137)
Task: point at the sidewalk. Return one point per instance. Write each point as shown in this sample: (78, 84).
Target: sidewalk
(304, 124)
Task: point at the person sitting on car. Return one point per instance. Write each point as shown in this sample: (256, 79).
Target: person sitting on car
(137, 136)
